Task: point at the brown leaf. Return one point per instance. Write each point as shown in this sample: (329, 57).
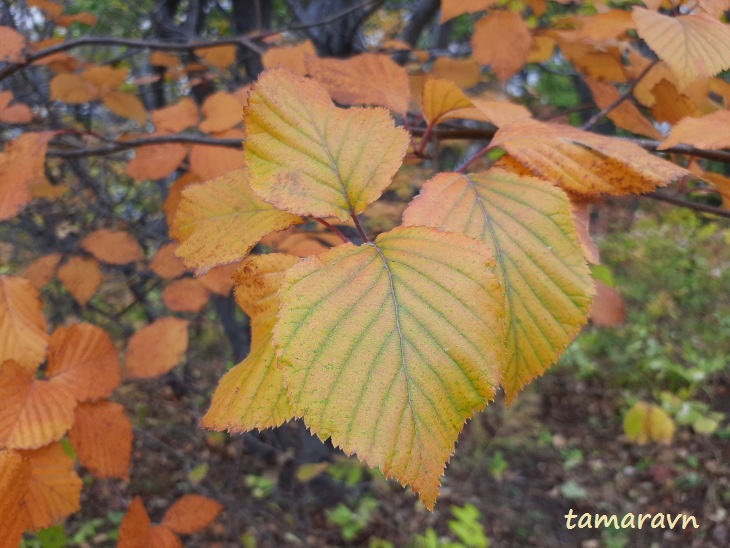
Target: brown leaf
(625, 115)
(135, 528)
(465, 73)
(23, 335)
(608, 307)
(220, 57)
(82, 277)
(454, 8)
(21, 167)
(154, 350)
(708, 132)
(219, 279)
(83, 359)
(185, 295)
(101, 436)
(126, 105)
(13, 114)
(191, 513)
(73, 89)
(113, 246)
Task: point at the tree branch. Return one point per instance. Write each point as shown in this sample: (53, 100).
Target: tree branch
(662, 197)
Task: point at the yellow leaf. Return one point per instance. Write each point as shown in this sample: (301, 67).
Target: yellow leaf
(83, 359)
(694, 46)
(191, 513)
(55, 489)
(154, 350)
(82, 277)
(72, 89)
(34, 412)
(14, 481)
(252, 394)
(465, 73)
(454, 8)
(625, 115)
(647, 422)
(389, 347)
(113, 246)
(219, 222)
(291, 57)
(540, 264)
(126, 105)
(501, 40)
(441, 99)
(708, 132)
(366, 79)
(101, 436)
(12, 45)
(222, 111)
(311, 158)
(22, 323)
(541, 49)
(584, 163)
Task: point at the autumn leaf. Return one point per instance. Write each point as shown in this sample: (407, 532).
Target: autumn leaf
(165, 264)
(185, 295)
(454, 8)
(291, 57)
(41, 271)
(222, 111)
(14, 481)
(176, 118)
(101, 436)
(695, 46)
(648, 422)
(18, 113)
(156, 161)
(191, 513)
(501, 40)
(625, 115)
(35, 412)
(311, 158)
(72, 89)
(464, 73)
(54, 491)
(584, 163)
(135, 527)
(220, 279)
(707, 132)
(12, 44)
(252, 394)
(219, 222)
(220, 57)
(389, 347)
(210, 161)
(155, 349)
(21, 167)
(82, 358)
(23, 335)
(126, 105)
(82, 277)
(366, 79)
(113, 246)
(528, 226)
(608, 307)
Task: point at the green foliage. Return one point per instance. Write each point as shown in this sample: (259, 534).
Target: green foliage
(468, 526)
(350, 521)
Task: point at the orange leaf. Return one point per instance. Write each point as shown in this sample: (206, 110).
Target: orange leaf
(156, 161)
(311, 158)
(465, 73)
(252, 394)
(708, 132)
(694, 46)
(220, 57)
(126, 105)
(584, 163)
(605, 26)
(175, 193)
(113, 246)
(177, 117)
(625, 115)
(154, 350)
(670, 105)
(165, 264)
(55, 489)
(14, 481)
(105, 78)
(83, 359)
(164, 59)
(72, 89)
(21, 167)
(162, 537)
(12, 44)
(291, 57)
(15, 114)
(454, 8)
(601, 63)
(220, 221)
(222, 111)
(81, 276)
(34, 412)
(101, 436)
(608, 307)
(501, 40)
(366, 79)
(209, 161)
(220, 279)
(135, 528)
(41, 271)
(83, 17)
(191, 513)
(185, 295)
(541, 49)
(22, 323)
(582, 222)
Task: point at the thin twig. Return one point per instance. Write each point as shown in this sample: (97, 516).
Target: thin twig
(593, 120)
(333, 229)
(662, 197)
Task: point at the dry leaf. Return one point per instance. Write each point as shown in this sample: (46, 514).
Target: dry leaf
(465, 73)
(42, 270)
(23, 335)
(82, 277)
(191, 513)
(14, 481)
(185, 295)
(165, 264)
(291, 57)
(608, 309)
(156, 349)
(156, 161)
(113, 246)
(502, 41)
(708, 132)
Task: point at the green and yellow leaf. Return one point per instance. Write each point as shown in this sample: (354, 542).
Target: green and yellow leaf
(389, 347)
(527, 224)
(311, 158)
